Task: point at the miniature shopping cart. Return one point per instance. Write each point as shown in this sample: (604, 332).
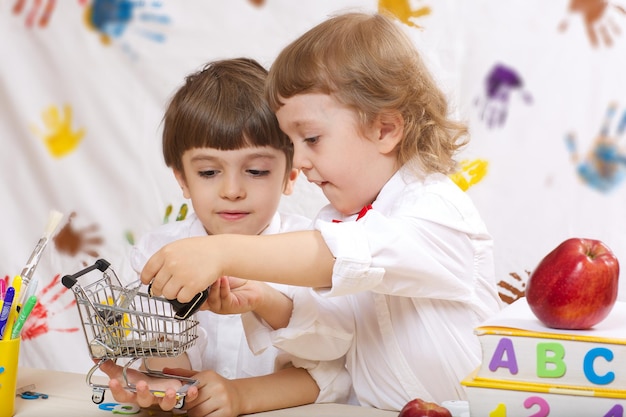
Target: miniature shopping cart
(124, 323)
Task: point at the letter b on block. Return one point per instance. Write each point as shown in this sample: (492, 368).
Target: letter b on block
(550, 360)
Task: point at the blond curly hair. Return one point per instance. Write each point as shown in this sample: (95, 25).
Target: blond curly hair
(368, 63)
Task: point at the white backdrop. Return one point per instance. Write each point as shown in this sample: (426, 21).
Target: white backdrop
(81, 106)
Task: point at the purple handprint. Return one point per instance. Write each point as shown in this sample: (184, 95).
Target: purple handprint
(500, 84)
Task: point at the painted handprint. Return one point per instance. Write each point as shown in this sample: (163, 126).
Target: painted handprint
(59, 137)
(113, 19)
(599, 17)
(78, 241)
(604, 167)
(35, 13)
(500, 84)
(471, 173)
(404, 11)
(47, 307)
(182, 215)
(510, 291)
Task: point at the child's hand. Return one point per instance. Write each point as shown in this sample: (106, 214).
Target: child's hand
(143, 383)
(230, 295)
(182, 269)
(216, 395)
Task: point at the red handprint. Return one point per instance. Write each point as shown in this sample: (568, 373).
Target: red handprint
(44, 18)
(38, 323)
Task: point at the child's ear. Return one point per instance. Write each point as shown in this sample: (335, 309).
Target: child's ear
(290, 181)
(180, 177)
(390, 128)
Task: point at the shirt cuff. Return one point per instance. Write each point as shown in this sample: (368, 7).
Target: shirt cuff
(352, 271)
(331, 377)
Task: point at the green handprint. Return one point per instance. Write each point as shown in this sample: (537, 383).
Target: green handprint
(59, 138)
(182, 213)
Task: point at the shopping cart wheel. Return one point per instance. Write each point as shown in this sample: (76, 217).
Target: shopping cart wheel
(180, 403)
(97, 395)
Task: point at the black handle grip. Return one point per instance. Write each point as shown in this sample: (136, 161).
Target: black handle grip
(184, 310)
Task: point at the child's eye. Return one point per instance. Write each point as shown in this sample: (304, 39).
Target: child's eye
(208, 174)
(258, 172)
(311, 141)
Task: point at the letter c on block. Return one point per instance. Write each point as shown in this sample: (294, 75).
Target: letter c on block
(590, 373)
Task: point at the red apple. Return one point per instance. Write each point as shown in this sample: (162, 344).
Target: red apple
(421, 408)
(575, 286)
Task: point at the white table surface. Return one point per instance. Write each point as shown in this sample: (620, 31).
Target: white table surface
(70, 396)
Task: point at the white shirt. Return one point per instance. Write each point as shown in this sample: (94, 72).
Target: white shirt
(411, 280)
(221, 343)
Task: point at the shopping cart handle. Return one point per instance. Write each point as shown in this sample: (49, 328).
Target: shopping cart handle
(69, 281)
(184, 310)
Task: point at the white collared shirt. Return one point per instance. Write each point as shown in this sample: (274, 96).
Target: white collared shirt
(222, 346)
(411, 280)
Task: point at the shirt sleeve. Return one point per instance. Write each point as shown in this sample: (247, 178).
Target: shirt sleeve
(319, 329)
(426, 249)
(331, 377)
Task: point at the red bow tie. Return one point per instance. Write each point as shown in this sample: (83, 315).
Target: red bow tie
(361, 213)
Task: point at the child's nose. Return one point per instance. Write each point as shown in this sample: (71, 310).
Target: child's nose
(233, 188)
(300, 160)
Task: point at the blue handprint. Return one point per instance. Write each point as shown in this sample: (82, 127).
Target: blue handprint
(605, 165)
(500, 84)
(112, 19)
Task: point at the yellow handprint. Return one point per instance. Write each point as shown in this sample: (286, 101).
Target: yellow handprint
(402, 10)
(474, 171)
(59, 138)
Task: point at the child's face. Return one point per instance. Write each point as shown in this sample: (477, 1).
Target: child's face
(235, 191)
(347, 162)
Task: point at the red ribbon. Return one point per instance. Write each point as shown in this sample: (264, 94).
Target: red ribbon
(360, 215)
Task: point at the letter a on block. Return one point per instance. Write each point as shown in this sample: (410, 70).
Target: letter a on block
(504, 357)
(551, 354)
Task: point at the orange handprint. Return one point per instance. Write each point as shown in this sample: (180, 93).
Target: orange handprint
(403, 10)
(510, 291)
(73, 241)
(60, 139)
(597, 18)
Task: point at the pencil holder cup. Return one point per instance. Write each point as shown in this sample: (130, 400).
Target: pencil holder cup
(9, 356)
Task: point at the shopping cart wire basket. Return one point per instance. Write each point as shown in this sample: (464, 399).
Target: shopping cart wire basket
(125, 323)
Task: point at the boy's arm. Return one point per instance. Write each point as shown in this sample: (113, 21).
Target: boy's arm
(255, 394)
(183, 268)
(214, 392)
(157, 364)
